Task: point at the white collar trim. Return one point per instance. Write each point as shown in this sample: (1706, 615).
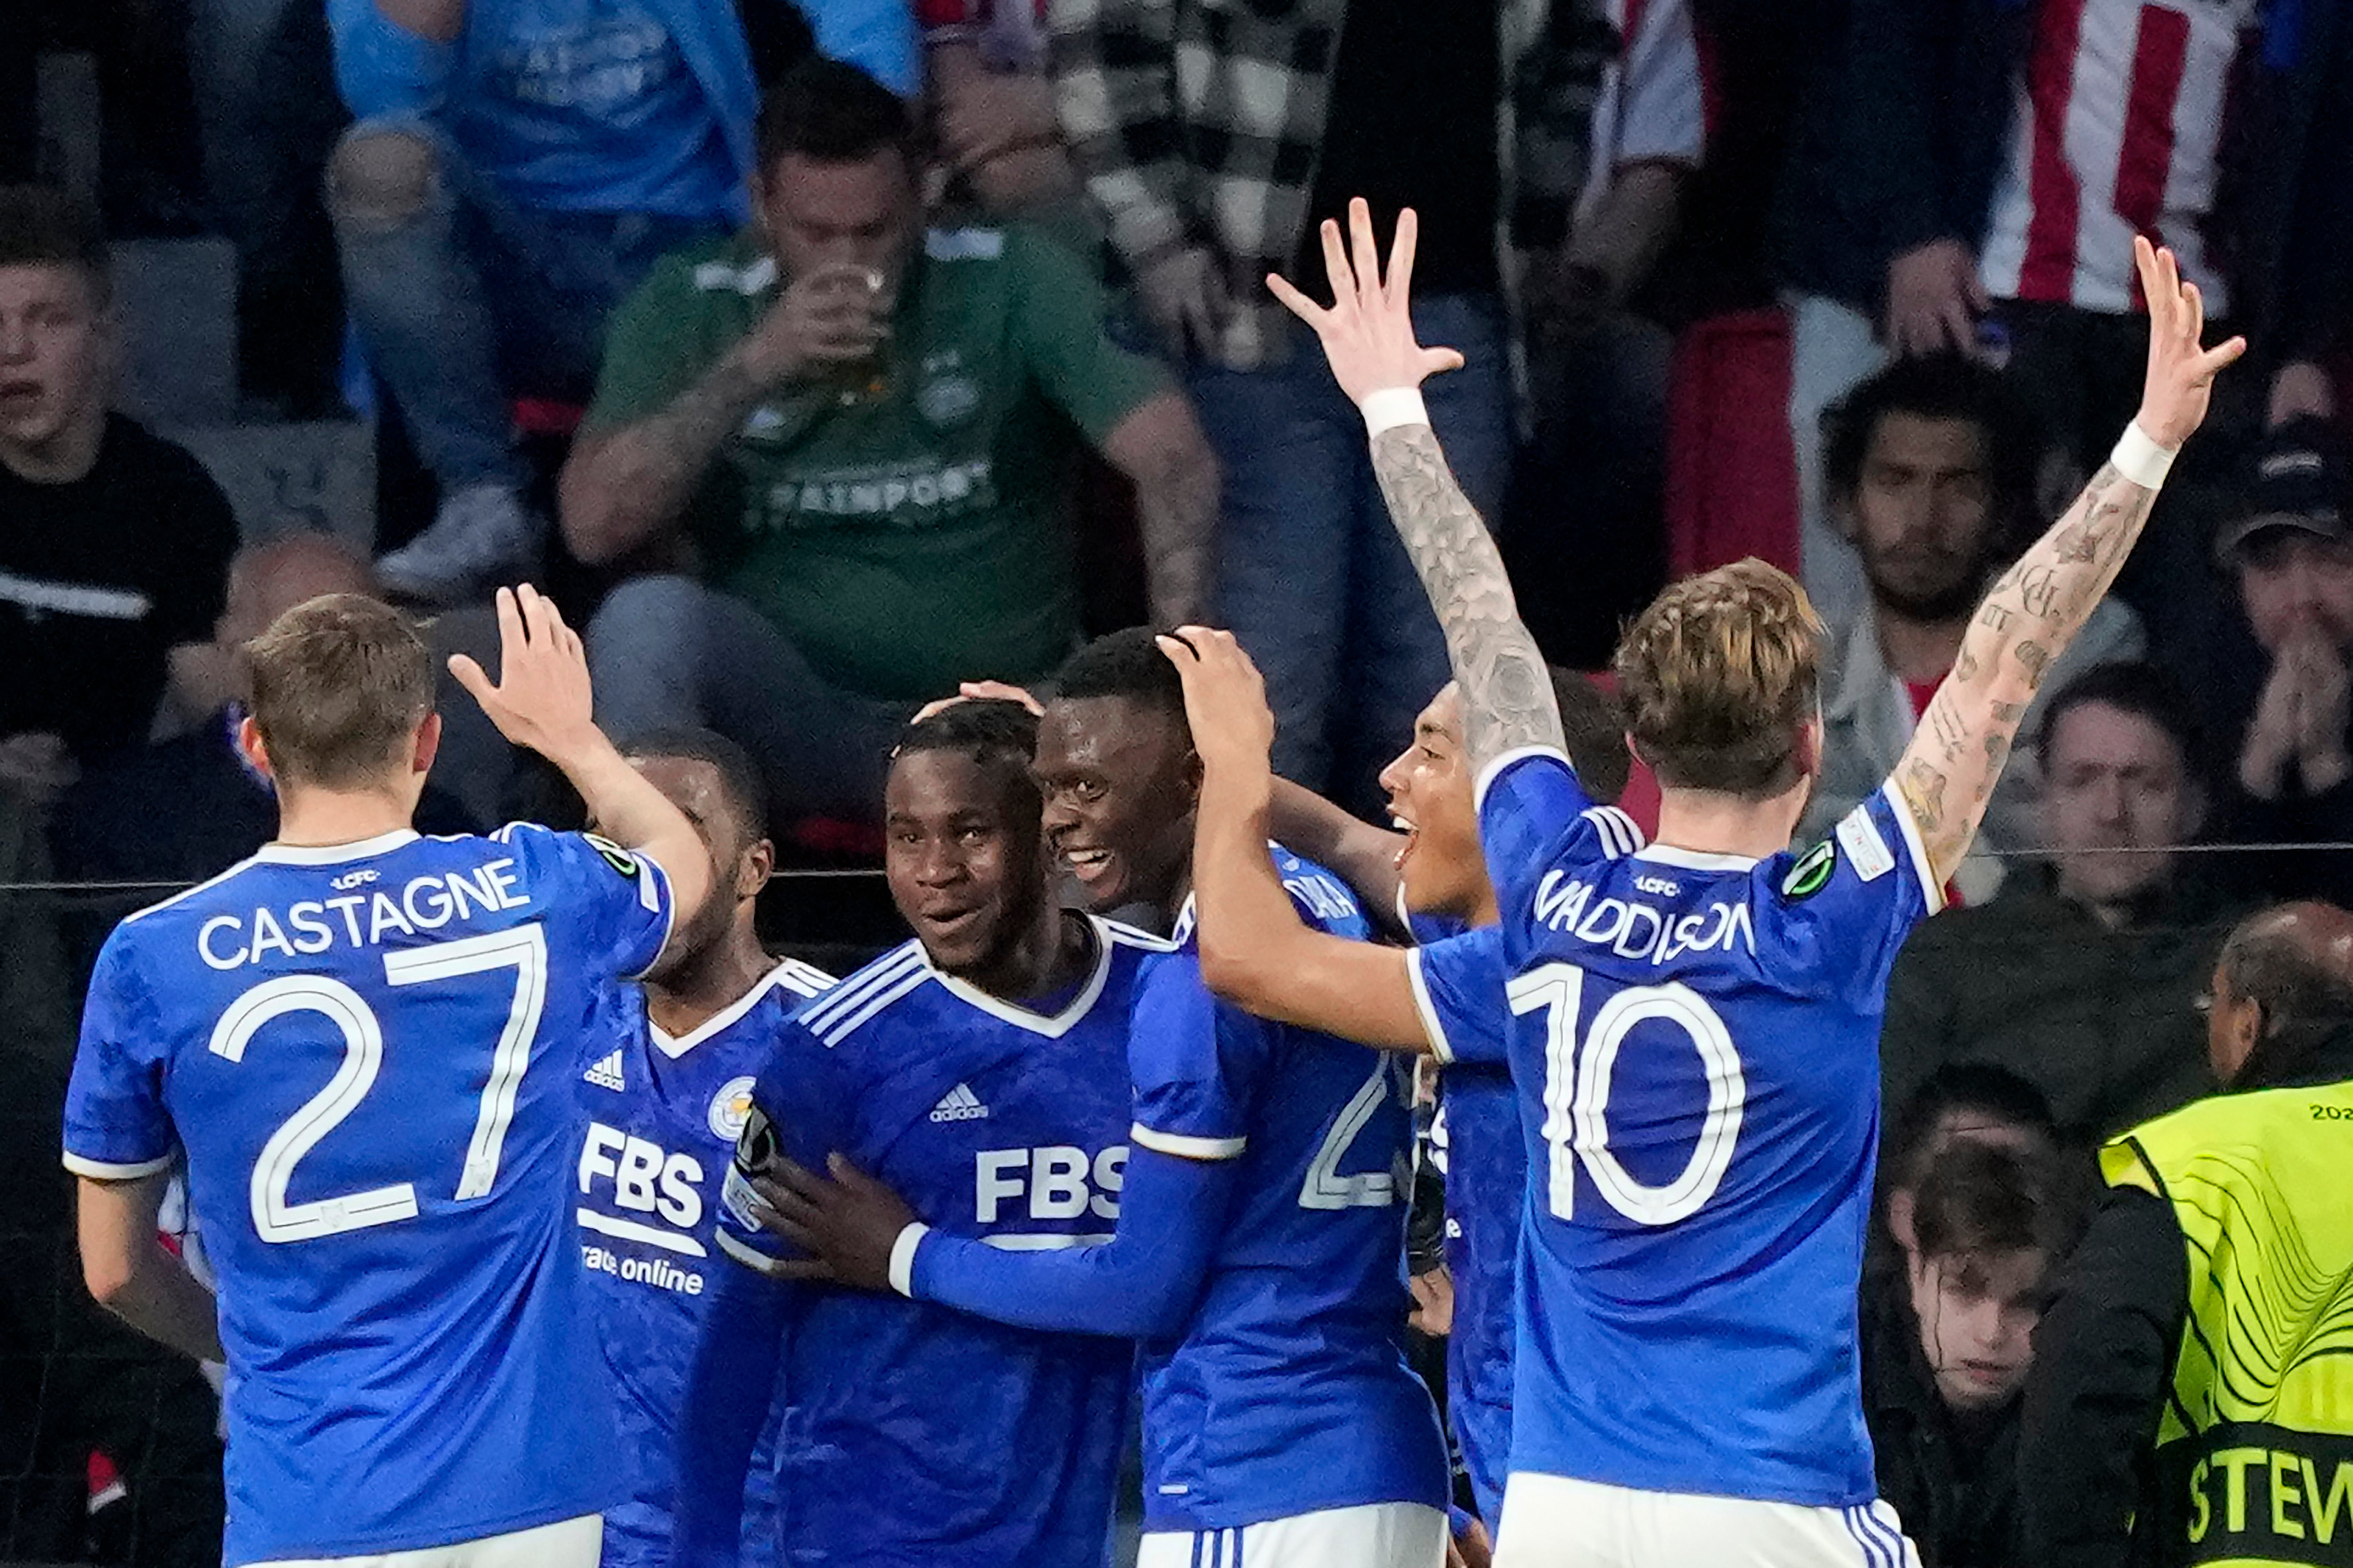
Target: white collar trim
(1062, 1023)
(336, 854)
(677, 1047)
(1695, 859)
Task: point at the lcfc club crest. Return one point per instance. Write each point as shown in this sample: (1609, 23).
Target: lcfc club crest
(731, 1109)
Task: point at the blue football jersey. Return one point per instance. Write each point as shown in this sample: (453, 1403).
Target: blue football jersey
(1459, 980)
(912, 1433)
(662, 1119)
(367, 1054)
(1289, 1392)
(1696, 1039)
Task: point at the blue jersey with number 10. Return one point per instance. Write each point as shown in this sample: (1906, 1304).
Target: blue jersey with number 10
(1696, 1039)
(368, 1054)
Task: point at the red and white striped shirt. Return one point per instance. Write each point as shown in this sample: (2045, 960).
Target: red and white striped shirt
(2119, 122)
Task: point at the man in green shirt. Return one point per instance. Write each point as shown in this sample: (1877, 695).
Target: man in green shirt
(860, 433)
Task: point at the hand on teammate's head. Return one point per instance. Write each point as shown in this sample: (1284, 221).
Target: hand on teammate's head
(981, 691)
(1225, 698)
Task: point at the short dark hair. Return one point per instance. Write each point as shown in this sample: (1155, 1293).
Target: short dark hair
(741, 784)
(1125, 664)
(992, 732)
(42, 226)
(1981, 1086)
(1594, 728)
(2139, 689)
(339, 683)
(1979, 1197)
(1946, 386)
(831, 113)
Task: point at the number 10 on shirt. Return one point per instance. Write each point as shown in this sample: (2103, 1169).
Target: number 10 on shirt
(1578, 1071)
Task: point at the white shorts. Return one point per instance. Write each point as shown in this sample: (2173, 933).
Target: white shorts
(1376, 1535)
(1551, 1521)
(566, 1543)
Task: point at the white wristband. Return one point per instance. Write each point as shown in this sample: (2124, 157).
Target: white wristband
(903, 1256)
(1392, 407)
(2139, 458)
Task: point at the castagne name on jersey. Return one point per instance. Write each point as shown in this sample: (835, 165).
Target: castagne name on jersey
(359, 915)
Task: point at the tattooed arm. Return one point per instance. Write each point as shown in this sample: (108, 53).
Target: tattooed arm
(1948, 774)
(1367, 335)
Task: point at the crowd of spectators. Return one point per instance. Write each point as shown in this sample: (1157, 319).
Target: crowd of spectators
(906, 339)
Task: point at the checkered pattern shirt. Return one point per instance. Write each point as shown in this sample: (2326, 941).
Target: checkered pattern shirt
(1200, 123)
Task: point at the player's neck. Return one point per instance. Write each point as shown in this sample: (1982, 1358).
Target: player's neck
(1920, 650)
(1050, 957)
(709, 982)
(1709, 822)
(314, 818)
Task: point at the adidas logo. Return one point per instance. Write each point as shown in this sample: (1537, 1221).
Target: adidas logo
(607, 1074)
(959, 1104)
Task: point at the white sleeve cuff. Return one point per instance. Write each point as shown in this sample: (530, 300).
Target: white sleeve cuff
(1430, 1025)
(2139, 458)
(902, 1258)
(1392, 407)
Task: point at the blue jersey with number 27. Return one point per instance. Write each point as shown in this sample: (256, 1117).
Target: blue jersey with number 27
(1700, 1036)
(367, 1056)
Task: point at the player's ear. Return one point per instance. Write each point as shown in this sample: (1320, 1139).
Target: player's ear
(256, 751)
(753, 872)
(1810, 746)
(425, 746)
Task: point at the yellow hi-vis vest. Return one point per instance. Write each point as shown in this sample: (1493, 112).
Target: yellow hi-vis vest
(2254, 1456)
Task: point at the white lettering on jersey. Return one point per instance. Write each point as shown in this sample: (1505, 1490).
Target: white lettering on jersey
(1326, 898)
(1631, 929)
(644, 1177)
(1866, 851)
(1058, 1180)
(427, 903)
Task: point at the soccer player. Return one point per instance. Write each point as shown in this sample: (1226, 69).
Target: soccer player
(362, 1046)
(1694, 1023)
(1444, 996)
(980, 1068)
(664, 1107)
(1259, 1253)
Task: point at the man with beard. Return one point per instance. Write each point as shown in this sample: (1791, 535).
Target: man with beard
(981, 1069)
(1259, 1252)
(1930, 470)
(662, 1109)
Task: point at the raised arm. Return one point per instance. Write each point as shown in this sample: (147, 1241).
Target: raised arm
(1367, 336)
(1256, 952)
(2034, 610)
(541, 701)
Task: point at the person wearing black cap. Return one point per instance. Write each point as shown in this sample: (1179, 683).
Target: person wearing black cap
(2289, 554)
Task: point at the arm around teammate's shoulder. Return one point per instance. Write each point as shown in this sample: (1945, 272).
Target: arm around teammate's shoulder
(2035, 609)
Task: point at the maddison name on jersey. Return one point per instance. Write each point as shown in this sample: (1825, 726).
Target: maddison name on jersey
(1635, 929)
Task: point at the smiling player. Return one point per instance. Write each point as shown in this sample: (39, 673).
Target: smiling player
(1696, 1022)
(981, 1069)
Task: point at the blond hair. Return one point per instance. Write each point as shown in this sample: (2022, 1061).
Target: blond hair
(340, 683)
(1719, 676)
